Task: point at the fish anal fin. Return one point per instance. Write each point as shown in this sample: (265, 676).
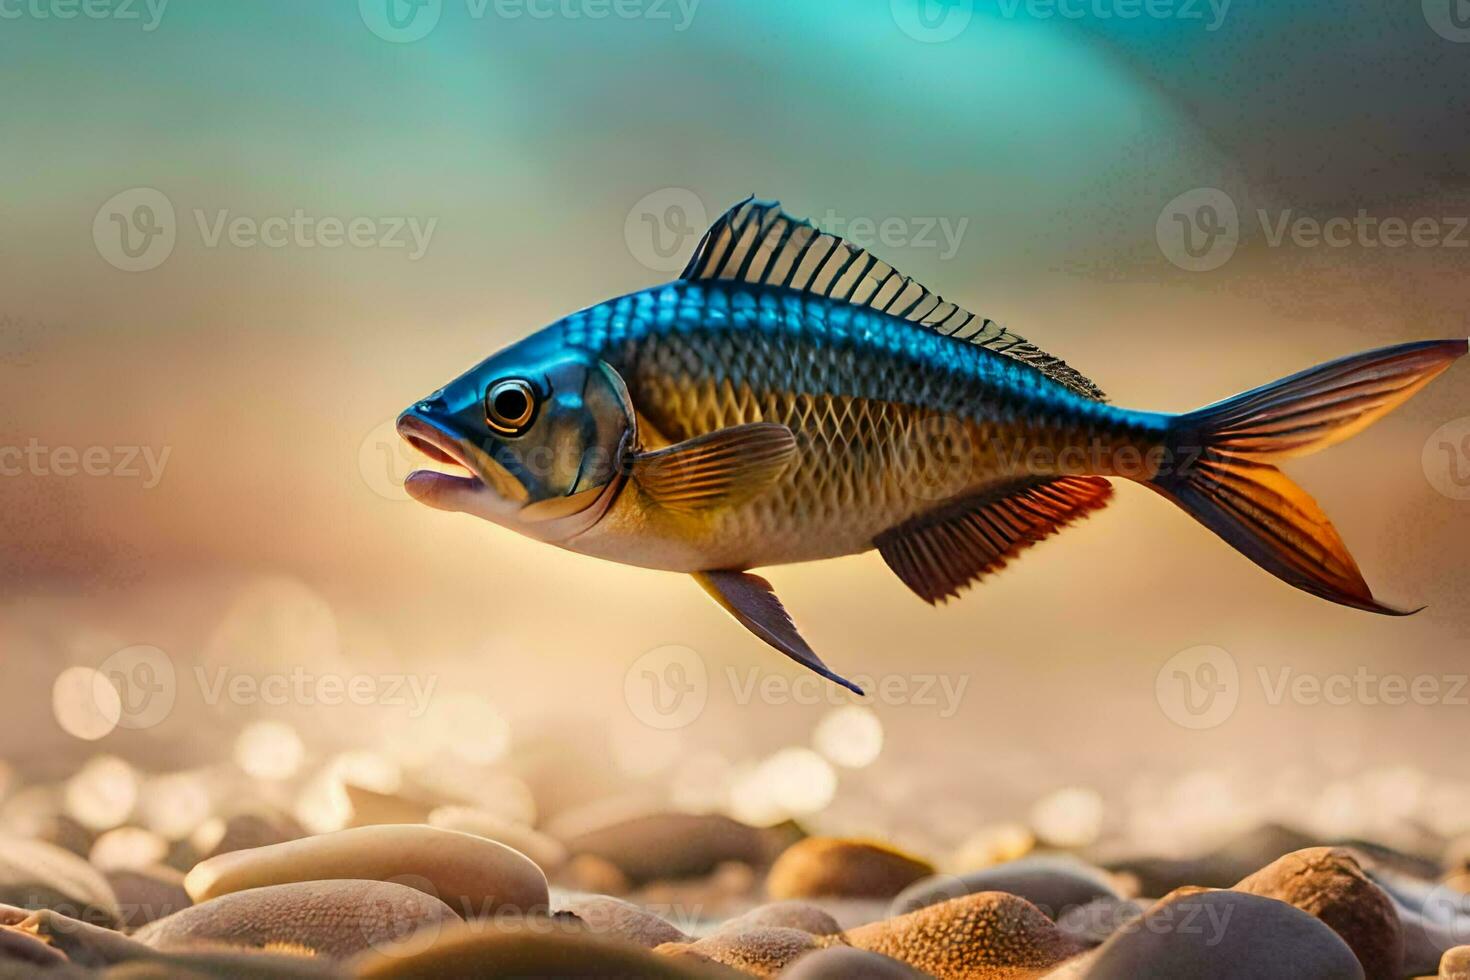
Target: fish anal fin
(938, 555)
(757, 242)
(754, 605)
(716, 469)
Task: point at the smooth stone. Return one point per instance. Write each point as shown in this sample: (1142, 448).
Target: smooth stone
(1328, 882)
(607, 916)
(81, 943)
(19, 945)
(1219, 935)
(988, 934)
(502, 953)
(830, 866)
(226, 965)
(1053, 884)
(147, 894)
(1220, 868)
(847, 963)
(338, 918)
(1455, 964)
(790, 914)
(474, 876)
(763, 951)
(548, 853)
(37, 875)
(670, 845)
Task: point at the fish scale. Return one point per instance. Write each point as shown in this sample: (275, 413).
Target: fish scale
(890, 420)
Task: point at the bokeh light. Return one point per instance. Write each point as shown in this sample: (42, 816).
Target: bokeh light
(269, 750)
(85, 703)
(103, 793)
(850, 736)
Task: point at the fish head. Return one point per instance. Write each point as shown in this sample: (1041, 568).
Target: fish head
(542, 430)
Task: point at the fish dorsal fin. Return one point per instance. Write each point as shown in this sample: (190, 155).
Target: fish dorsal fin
(937, 556)
(757, 242)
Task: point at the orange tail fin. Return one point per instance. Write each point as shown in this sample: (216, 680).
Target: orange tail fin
(1232, 489)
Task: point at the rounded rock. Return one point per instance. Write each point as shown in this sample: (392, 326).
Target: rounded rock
(604, 915)
(37, 875)
(548, 853)
(474, 876)
(1219, 935)
(1455, 964)
(492, 954)
(848, 963)
(763, 951)
(337, 919)
(147, 894)
(1053, 884)
(670, 845)
(1328, 883)
(985, 934)
(833, 867)
(790, 914)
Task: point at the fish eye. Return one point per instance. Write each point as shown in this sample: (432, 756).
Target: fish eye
(509, 405)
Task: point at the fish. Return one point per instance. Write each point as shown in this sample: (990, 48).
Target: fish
(791, 397)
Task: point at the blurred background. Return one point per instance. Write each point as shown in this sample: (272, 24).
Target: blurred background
(238, 239)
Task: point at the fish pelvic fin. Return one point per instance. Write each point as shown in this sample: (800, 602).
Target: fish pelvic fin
(1226, 481)
(716, 469)
(750, 599)
(937, 555)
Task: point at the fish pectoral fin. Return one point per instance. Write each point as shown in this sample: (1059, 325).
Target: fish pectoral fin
(937, 555)
(750, 600)
(727, 466)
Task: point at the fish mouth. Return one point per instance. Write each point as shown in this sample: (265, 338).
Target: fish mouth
(433, 486)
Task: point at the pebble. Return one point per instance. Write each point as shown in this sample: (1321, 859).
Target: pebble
(330, 918)
(1455, 964)
(35, 875)
(79, 943)
(605, 915)
(18, 945)
(474, 876)
(504, 953)
(226, 965)
(1219, 935)
(590, 873)
(988, 934)
(1053, 884)
(1328, 882)
(245, 830)
(548, 853)
(830, 866)
(763, 951)
(670, 845)
(370, 808)
(146, 894)
(847, 963)
(789, 914)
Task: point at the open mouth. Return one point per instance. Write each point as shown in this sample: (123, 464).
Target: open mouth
(440, 447)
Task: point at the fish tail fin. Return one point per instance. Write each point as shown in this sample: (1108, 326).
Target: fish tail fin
(1225, 478)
